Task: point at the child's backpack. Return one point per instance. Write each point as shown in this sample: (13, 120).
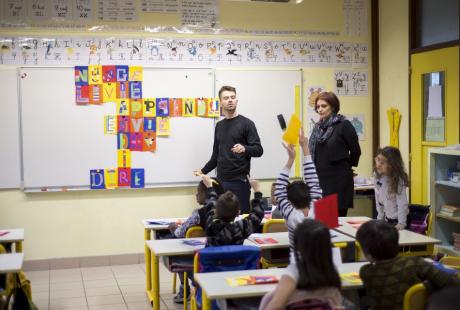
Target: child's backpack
(19, 292)
(417, 219)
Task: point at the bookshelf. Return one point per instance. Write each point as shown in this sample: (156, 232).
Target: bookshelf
(442, 192)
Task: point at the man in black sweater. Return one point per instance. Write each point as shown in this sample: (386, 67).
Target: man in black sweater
(235, 141)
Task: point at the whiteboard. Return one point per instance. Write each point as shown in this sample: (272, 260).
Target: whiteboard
(62, 141)
(262, 95)
(10, 173)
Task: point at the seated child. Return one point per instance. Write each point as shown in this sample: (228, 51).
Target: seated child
(388, 276)
(391, 181)
(276, 214)
(221, 227)
(196, 219)
(318, 278)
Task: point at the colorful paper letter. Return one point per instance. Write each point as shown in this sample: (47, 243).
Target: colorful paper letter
(82, 94)
(189, 105)
(109, 74)
(162, 107)
(96, 179)
(162, 126)
(110, 125)
(124, 158)
(122, 89)
(95, 94)
(123, 106)
(123, 140)
(135, 73)
(149, 108)
(135, 90)
(150, 124)
(122, 73)
(95, 74)
(110, 92)
(150, 142)
(136, 108)
(175, 107)
(123, 123)
(111, 178)
(200, 107)
(137, 178)
(81, 75)
(135, 141)
(213, 107)
(124, 177)
(137, 124)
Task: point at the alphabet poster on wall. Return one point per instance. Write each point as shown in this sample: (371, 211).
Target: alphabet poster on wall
(182, 52)
(357, 120)
(351, 83)
(137, 122)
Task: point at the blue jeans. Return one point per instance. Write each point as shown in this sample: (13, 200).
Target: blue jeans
(242, 190)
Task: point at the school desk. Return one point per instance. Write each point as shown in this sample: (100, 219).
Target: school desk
(410, 243)
(11, 262)
(166, 247)
(214, 284)
(150, 232)
(15, 236)
(282, 239)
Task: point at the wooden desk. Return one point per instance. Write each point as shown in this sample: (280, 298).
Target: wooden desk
(214, 284)
(11, 262)
(165, 247)
(150, 231)
(15, 236)
(408, 240)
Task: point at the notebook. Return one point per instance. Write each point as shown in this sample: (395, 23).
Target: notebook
(326, 211)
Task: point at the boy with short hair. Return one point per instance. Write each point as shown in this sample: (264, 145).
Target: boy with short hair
(221, 229)
(389, 276)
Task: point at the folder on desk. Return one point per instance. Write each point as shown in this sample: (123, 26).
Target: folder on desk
(326, 211)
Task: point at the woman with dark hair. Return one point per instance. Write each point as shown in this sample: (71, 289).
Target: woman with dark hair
(319, 281)
(335, 150)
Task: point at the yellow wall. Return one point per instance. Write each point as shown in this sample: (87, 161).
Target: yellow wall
(394, 70)
(89, 223)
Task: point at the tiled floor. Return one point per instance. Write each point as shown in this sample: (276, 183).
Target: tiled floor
(108, 287)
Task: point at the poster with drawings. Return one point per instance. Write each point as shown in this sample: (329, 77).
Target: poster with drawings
(358, 121)
(312, 117)
(351, 83)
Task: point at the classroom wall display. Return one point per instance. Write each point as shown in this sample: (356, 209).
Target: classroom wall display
(357, 120)
(312, 92)
(63, 141)
(351, 83)
(179, 52)
(138, 121)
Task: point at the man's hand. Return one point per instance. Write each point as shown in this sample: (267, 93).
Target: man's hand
(197, 173)
(399, 226)
(238, 148)
(254, 184)
(206, 180)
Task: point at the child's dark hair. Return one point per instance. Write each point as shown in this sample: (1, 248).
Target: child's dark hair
(313, 254)
(227, 207)
(397, 171)
(298, 193)
(217, 187)
(379, 239)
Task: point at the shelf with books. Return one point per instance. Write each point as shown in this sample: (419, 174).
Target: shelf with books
(449, 218)
(445, 200)
(448, 183)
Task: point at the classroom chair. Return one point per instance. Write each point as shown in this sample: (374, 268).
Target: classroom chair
(451, 262)
(222, 258)
(415, 298)
(309, 304)
(192, 232)
(275, 257)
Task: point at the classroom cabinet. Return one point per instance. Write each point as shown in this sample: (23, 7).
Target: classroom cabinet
(444, 190)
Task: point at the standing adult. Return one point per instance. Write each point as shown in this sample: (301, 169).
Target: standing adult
(335, 149)
(235, 141)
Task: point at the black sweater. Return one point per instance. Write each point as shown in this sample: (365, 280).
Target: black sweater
(228, 132)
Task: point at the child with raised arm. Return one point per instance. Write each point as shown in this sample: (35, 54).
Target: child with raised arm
(221, 227)
(294, 202)
(391, 181)
(388, 276)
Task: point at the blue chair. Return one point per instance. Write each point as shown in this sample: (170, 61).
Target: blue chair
(223, 258)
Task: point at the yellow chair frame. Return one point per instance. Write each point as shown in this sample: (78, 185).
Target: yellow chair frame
(451, 261)
(270, 226)
(415, 297)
